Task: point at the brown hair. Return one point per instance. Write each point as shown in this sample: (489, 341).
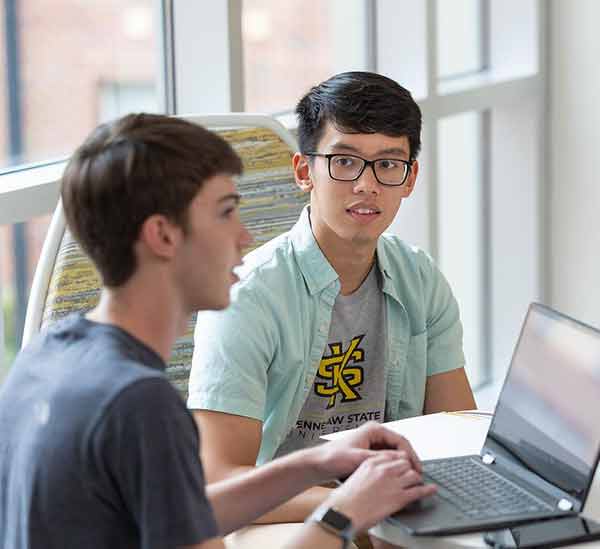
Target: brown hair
(130, 169)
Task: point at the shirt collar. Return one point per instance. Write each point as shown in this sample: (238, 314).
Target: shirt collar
(383, 262)
(131, 347)
(316, 270)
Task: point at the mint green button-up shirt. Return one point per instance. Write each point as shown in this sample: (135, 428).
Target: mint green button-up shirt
(258, 358)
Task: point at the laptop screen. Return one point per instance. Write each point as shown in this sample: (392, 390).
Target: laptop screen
(547, 413)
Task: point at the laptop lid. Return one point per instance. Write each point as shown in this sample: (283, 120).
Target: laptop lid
(545, 418)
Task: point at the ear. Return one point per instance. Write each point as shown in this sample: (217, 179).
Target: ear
(411, 181)
(160, 236)
(302, 172)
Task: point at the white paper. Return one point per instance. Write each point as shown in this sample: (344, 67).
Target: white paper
(439, 435)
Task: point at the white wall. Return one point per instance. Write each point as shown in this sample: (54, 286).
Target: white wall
(574, 158)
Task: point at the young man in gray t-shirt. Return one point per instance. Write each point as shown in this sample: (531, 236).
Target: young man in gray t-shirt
(302, 360)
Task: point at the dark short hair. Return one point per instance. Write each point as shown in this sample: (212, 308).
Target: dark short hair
(359, 102)
(130, 169)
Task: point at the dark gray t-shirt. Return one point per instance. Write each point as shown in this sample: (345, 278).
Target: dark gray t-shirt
(349, 388)
(97, 449)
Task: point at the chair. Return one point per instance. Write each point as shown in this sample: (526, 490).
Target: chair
(66, 281)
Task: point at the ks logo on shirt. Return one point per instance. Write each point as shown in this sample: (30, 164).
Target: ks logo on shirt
(339, 376)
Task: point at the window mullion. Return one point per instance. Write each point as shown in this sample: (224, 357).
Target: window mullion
(432, 127)
(208, 73)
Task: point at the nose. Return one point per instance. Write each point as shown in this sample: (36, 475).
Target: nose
(367, 182)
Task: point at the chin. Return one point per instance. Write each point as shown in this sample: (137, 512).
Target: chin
(214, 303)
(218, 304)
(363, 237)
(222, 305)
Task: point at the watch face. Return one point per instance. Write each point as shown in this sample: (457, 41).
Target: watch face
(336, 520)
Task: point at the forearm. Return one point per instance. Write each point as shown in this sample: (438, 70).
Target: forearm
(312, 535)
(297, 508)
(448, 392)
(239, 500)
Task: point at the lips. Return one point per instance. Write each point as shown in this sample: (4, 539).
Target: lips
(363, 209)
(363, 214)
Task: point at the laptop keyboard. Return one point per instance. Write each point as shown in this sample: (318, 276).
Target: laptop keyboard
(479, 492)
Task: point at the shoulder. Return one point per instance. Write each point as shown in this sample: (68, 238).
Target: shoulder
(146, 406)
(274, 259)
(147, 396)
(268, 273)
(415, 281)
(90, 361)
(404, 259)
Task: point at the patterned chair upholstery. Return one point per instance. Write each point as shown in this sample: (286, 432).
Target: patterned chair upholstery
(66, 280)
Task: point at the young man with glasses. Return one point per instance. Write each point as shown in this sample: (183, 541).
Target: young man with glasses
(333, 323)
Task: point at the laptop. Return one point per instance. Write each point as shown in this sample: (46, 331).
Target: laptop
(542, 446)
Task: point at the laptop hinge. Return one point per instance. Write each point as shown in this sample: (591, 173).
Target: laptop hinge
(488, 458)
(564, 504)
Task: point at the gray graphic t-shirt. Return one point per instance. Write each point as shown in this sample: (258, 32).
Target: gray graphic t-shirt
(349, 388)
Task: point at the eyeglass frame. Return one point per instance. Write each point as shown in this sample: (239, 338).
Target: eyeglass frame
(329, 156)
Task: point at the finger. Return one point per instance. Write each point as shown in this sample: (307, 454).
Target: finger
(398, 467)
(386, 438)
(404, 445)
(410, 478)
(379, 457)
(417, 492)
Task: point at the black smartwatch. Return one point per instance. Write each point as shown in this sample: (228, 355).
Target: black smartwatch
(334, 522)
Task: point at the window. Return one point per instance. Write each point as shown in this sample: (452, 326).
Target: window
(116, 98)
(461, 228)
(58, 55)
(476, 71)
(460, 37)
(286, 53)
(69, 65)
(476, 68)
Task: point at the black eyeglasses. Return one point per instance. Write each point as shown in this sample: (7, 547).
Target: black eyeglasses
(349, 167)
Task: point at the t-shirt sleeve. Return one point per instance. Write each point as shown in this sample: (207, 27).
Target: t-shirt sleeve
(232, 353)
(146, 448)
(444, 328)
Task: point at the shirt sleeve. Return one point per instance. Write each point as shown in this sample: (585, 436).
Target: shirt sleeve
(146, 447)
(444, 328)
(232, 353)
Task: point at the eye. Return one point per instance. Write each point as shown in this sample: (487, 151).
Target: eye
(230, 211)
(344, 161)
(388, 164)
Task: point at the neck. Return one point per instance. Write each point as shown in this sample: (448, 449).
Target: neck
(352, 270)
(148, 312)
(351, 260)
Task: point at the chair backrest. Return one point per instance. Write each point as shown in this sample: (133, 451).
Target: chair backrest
(66, 281)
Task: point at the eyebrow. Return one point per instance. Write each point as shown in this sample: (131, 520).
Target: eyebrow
(236, 197)
(341, 146)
